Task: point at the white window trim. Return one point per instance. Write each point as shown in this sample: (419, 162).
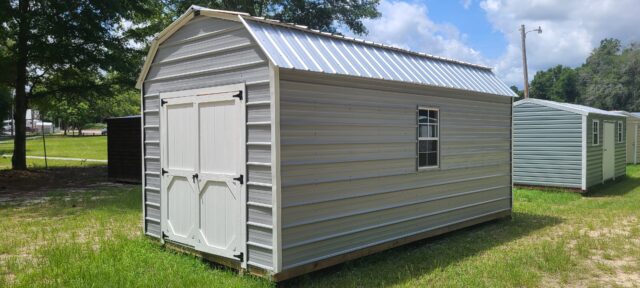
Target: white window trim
(593, 135)
(619, 132)
(423, 168)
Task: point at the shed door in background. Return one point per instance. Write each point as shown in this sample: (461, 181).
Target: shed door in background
(608, 152)
(220, 174)
(179, 194)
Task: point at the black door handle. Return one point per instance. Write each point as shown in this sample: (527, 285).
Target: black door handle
(194, 177)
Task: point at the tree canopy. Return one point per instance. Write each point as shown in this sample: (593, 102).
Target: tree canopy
(609, 79)
(70, 56)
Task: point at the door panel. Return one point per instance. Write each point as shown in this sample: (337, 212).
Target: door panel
(180, 192)
(180, 206)
(219, 211)
(221, 133)
(219, 129)
(608, 153)
(180, 136)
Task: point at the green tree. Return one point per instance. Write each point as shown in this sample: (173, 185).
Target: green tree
(323, 15)
(515, 89)
(610, 76)
(51, 37)
(558, 84)
(75, 51)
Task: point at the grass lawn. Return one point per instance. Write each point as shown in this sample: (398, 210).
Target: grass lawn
(89, 147)
(554, 239)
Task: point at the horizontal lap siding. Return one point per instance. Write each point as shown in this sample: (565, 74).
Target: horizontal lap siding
(637, 148)
(205, 53)
(547, 146)
(348, 164)
(631, 137)
(594, 152)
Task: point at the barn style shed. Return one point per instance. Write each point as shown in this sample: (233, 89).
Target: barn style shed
(633, 137)
(282, 150)
(566, 145)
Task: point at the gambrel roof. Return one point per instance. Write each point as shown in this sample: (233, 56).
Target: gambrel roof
(291, 46)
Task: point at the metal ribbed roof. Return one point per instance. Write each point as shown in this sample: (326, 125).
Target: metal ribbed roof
(294, 47)
(576, 108)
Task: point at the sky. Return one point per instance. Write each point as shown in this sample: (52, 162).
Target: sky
(487, 31)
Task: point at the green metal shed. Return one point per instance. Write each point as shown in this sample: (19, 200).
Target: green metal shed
(566, 145)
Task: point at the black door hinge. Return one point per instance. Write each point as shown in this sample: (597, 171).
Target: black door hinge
(239, 95)
(239, 179)
(163, 171)
(239, 256)
(164, 235)
(162, 102)
(194, 177)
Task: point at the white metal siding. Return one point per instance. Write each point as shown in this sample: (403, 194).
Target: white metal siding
(349, 178)
(547, 147)
(204, 53)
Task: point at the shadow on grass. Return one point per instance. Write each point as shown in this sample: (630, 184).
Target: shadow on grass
(406, 263)
(618, 187)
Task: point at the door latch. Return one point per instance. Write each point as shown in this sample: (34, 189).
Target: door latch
(163, 171)
(239, 179)
(194, 177)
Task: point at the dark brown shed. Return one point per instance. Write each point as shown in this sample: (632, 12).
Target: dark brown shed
(124, 150)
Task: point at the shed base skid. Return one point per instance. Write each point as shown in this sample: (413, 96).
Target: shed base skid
(549, 188)
(314, 266)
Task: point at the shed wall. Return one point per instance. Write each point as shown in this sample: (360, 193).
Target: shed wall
(594, 152)
(632, 140)
(348, 163)
(211, 52)
(547, 146)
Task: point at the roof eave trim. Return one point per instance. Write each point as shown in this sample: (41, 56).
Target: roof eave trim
(399, 82)
(550, 104)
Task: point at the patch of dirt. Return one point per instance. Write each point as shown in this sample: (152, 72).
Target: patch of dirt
(35, 184)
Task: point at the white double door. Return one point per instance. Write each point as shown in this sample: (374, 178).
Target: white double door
(203, 172)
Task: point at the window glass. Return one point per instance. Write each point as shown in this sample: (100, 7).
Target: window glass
(596, 132)
(428, 137)
(620, 132)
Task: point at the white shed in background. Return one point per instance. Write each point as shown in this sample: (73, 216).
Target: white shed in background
(633, 137)
(283, 150)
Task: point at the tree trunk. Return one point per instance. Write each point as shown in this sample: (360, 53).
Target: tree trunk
(19, 159)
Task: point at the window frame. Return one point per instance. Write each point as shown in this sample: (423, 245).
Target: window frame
(595, 133)
(619, 132)
(418, 138)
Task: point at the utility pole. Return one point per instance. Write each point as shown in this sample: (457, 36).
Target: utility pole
(523, 35)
